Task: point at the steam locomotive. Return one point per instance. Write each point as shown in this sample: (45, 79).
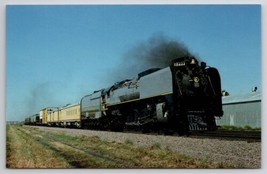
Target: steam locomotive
(183, 97)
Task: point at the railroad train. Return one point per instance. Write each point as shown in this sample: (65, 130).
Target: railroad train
(183, 97)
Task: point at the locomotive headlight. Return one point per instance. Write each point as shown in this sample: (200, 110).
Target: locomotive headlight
(196, 82)
(196, 79)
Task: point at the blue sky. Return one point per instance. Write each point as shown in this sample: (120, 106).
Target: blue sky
(57, 54)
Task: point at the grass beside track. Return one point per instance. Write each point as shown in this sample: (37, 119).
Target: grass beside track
(24, 151)
(29, 147)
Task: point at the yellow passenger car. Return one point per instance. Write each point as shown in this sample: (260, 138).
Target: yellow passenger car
(53, 118)
(70, 115)
(67, 116)
(45, 112)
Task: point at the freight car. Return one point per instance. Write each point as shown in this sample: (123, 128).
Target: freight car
(183, 97)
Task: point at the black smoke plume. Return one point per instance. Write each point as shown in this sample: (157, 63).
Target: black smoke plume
(157, 52)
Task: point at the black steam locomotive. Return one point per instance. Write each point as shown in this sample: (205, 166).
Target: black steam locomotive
(184, 97)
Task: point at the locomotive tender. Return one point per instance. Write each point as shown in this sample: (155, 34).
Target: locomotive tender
(186, 96)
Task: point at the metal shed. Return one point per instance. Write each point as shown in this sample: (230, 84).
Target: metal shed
(241, 110)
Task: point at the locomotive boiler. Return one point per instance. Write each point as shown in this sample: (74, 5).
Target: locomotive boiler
(183, 97)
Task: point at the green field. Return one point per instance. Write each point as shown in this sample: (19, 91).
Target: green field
(29, 147)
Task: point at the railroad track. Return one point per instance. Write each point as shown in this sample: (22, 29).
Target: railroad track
(245, 135)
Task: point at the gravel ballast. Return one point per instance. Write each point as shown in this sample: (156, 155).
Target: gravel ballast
(237, 153)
